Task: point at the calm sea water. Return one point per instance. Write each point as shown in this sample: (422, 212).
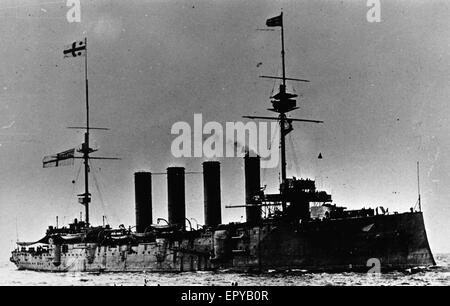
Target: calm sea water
(439, 275)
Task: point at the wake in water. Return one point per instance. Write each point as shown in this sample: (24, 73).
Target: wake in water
(438, 275)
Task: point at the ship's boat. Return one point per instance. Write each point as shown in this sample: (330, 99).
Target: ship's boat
(297, 229)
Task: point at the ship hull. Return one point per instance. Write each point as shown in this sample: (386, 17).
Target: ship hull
(387, 242)
(380, 243)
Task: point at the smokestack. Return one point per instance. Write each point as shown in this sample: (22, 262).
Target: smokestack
(176, 196)
(211, 189)
(143, 199)
(252, 187)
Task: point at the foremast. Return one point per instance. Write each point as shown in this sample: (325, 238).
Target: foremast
(85, 149)
(77, 49)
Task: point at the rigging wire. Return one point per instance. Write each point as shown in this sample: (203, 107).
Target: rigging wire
(99, 187)
(76, 178)
(270, 210)
(274, 82)
(277, 131)
(415, 205)
(296, 163)
(74, 181)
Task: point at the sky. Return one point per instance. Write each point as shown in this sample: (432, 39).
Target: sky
(381, 89)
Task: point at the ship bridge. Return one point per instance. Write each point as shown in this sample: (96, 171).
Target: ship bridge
(297, 195)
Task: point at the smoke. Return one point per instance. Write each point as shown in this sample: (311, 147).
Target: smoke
(241, 149)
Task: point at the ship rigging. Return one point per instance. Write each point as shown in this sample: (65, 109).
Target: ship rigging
(330, 238)
(283, 102)
(79, 49)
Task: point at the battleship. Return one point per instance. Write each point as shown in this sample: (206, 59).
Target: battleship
(298, 228)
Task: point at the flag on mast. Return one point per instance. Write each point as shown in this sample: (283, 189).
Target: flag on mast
(75, 49)
(65, 158)
(275, 21)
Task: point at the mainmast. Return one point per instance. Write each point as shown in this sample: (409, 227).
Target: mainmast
(283, 103)
(282, 116)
